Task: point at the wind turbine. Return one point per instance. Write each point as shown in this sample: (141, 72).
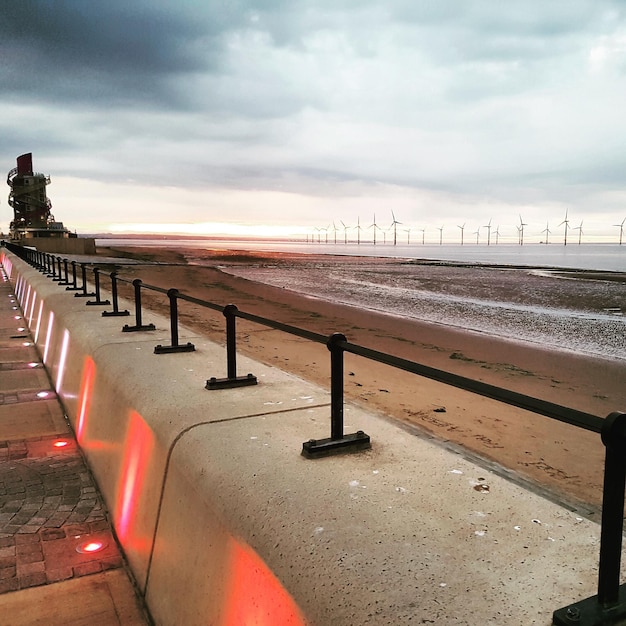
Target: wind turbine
(621, 230)
(462, 229)
(345, 232)
(488, 227)
(408, 235)
(520, 230)
(325, 233)
(358, 230)
(334, 232)
(566, 222)
(375, 226)
(579, 228)
(547, 231)
(319, 230)
(395, 225)
(424, 235)
(477, 233)
(497, 233)
(440, 234)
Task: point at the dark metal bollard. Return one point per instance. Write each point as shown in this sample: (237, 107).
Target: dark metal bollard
(138, 322)
(83, 277)
(609, 606)
(116, 311)
(337, 442)
(98, 300)
(232, 380)
(172, 294)
(74, 286)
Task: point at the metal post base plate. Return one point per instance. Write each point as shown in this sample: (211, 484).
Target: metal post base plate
(84, 295)
(230, 383)
(115, 313)
(590, 612)
(315, 449)
(133, 329)
(95, 302)
(187, 347)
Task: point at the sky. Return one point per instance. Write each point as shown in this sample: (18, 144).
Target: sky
(275, 117)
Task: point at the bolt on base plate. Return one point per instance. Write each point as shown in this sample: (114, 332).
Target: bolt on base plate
(590, 612)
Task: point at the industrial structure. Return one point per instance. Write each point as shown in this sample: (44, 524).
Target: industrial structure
(32, 217)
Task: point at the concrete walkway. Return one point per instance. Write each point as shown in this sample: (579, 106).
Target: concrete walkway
(409, 532)
(50, 508)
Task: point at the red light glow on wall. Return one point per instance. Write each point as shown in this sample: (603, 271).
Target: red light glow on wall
(62, 361)
(48, 336)
(32, 308)
(137, 454)
(38, 322)
(254, 596)
(84, 398)
(27, 302)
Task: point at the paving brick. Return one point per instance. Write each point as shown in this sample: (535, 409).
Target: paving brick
(32, 580)
(30, 568)
(9, 584)
(21, 540)
(7, 551)
(58, 574)
(87, 568)
(52, 533)
(7, 561)
(7, 572)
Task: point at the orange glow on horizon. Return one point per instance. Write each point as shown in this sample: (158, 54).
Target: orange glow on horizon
(254, 596)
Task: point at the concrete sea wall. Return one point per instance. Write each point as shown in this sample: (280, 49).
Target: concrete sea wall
(223, 522)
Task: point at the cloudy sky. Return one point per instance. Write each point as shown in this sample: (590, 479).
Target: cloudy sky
(281, 115)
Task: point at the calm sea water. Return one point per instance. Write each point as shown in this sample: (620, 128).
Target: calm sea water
(605, 257)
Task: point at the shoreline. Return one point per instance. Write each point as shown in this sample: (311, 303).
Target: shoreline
(565, 461)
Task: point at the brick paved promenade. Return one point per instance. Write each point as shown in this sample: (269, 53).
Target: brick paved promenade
(50, 507)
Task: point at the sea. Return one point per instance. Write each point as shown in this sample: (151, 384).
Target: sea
(570, 298)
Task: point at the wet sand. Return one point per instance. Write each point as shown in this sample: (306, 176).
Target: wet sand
(564, 462)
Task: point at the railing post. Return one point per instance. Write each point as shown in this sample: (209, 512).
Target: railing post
(115, 312)
(172, 294)
(66, 280)
(96, 279)
(232, 380)
(56, 277)
(609, 606)
(83, 277)
(138, 321)
(73, 286)
(338, 442)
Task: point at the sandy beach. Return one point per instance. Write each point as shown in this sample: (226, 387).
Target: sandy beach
(564, 462)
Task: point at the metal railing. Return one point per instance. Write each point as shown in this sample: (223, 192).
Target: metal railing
(607, 607)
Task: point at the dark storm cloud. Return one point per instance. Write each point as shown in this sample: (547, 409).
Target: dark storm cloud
(101, 51)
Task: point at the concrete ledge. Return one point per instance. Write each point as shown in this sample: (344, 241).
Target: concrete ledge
(222, 520)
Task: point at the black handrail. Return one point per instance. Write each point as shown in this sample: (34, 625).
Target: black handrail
(607, 607)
